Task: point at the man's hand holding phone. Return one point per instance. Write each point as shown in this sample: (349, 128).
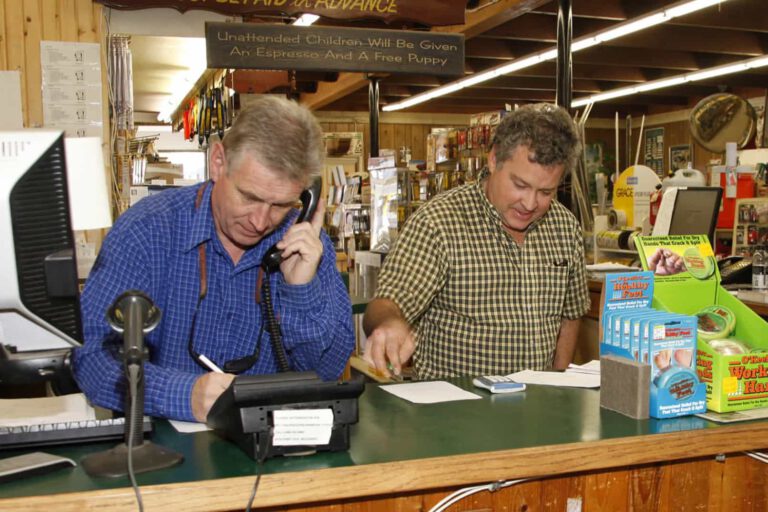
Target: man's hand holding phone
(302, 248)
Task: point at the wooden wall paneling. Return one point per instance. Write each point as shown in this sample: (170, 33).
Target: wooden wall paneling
(3, 39)
(87, 26)
(643, 490)
(33, 34)
(14, 32)
(411, 503)
(521, 496)
(556, 491)
(606, 491)
(418, 141)
(715, 473)
(386, 136)
(51, 21)
(685, 485)
(675, 134)
(744, 484)
(68, 20)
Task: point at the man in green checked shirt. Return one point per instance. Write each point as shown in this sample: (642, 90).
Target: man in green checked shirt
(488, 278)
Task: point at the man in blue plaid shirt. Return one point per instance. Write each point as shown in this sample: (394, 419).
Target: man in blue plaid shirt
(212, 237)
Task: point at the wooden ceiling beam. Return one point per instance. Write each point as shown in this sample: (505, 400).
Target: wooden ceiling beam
(490, 16)
(690, 39)
(476, 22)
(730, 15)
(636, 57)
(541, 27)
(537, 83)
(483, 48)
(619, 10)
(585, 71)
(504, 94)
(399, 91)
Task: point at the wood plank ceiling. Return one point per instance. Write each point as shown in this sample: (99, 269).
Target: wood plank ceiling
(501, 31)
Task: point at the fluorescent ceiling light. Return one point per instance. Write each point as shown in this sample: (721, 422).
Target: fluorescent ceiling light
(629, 27)
(306, 20)
(727, 69)
(184, 83)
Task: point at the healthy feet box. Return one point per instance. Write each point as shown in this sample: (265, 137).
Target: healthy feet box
(666, 341)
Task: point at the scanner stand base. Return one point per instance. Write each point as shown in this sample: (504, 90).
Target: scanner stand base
(114, 462)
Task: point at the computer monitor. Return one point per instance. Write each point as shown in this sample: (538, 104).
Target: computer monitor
(39, 304)
(689, 211)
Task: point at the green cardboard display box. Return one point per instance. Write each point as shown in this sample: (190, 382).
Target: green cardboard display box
(686, 281)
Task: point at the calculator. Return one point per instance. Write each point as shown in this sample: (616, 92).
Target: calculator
(498, 384)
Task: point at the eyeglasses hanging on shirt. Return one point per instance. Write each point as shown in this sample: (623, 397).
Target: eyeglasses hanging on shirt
(232, 366)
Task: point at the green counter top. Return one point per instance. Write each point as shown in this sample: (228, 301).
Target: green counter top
(390, 430)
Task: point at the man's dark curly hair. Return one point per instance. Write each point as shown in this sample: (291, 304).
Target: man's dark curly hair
(546, 130)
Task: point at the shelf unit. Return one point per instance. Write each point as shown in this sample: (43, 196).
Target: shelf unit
(750, 226)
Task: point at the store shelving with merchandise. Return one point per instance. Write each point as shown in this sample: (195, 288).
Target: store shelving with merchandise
(750, 227)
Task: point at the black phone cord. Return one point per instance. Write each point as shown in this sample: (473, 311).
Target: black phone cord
(273, 326)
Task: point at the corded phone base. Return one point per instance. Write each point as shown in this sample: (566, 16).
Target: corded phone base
(243, 413)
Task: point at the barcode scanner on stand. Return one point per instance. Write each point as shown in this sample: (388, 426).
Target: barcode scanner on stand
(133, 314)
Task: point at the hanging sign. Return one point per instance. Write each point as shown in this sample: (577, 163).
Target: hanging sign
(261, 46)
(427, 12)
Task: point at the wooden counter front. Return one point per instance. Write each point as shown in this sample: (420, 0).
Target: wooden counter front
(406, 457)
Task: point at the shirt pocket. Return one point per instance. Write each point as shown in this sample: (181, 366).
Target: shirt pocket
(552, 288)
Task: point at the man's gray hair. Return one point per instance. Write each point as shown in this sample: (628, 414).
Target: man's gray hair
(546, 130)
(281, 135)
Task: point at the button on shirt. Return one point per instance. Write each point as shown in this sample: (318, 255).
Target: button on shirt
(481, 303)
(153, 248)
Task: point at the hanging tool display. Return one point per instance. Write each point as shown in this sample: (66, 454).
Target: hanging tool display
(207, 118)
(200, 118)
(207, 113)
(219, 111)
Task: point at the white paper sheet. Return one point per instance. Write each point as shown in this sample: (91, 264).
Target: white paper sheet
(17, 412)
(562, 379)
(10, 91)
(188, 427)
(429, 392)
(302, 427)
(590, 367)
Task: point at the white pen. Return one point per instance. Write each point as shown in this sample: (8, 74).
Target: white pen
(210, 364)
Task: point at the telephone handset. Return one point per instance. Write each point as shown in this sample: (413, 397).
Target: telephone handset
(309, 199)
(271, 262)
